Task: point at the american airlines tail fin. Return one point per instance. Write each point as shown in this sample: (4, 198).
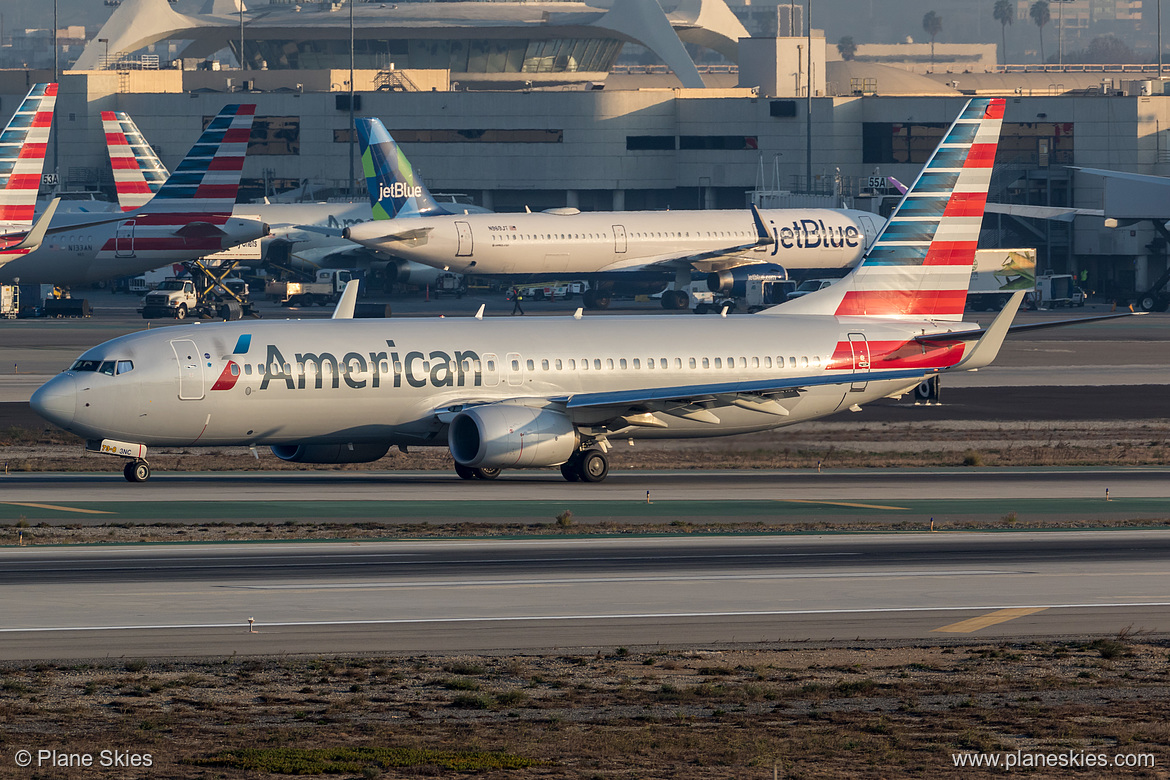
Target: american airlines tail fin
(138, 173)
(395, 189)
(22, 156)
(920, 264)
(208, 178)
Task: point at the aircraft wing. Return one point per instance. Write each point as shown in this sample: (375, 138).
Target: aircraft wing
(1056, 213)
(718, 259)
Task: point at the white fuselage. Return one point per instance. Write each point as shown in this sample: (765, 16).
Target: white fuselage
(264, 383)
(81, 250)
(551, 245)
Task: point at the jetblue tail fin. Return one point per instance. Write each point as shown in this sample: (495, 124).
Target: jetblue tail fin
(138, 173)
(920, 264)
(395, 190)
(22, 156)
(208, 178)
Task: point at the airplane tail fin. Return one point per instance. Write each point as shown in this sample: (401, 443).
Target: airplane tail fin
(395, 189)
(920, 264)
(22, 156)
(208, 179)
(138, 173)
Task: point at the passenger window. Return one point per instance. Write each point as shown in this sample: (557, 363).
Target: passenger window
(107, 368)
(804, 361)
(767, 362)
(637, 364)
(622, 364)
(743, 362)
(597, 363)
(791, 362)
(718, 362)
(678, 362)
(557, 364)
(544, 365)
(398, 366)
(609, 363)
(816, 361)
(755, 362)
(235, 369)
(649, 362)
(126, 366)
(515, 365)
(491, 364)
(531, 364)
(384, 367)
(584, 364)
(694, 363)
(248, 369)
(706, 362)
(572, 364)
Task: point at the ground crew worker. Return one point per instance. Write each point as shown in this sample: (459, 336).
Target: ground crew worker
(516, 298)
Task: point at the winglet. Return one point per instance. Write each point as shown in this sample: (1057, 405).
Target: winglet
(479, 314)
(577, 314)
(987, 347)
(347, 302)
(763, 236)
(37, 234)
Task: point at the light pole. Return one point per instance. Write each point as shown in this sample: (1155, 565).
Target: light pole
(241, 7)
(352, 129)
(808, 101)
(1159, 40)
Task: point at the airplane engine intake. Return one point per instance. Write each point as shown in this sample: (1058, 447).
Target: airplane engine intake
(330, 453)
(733, 281)
(511, 436)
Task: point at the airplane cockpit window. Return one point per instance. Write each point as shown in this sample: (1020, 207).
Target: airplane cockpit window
(125, 366)
(86, 365)
(108, 367)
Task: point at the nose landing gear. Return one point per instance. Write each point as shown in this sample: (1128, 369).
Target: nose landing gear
(136, 471)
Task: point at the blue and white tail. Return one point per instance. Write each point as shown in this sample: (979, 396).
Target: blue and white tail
(920, 264)
(138, 173)
(22, 156)
(395, 189)
(208, 179)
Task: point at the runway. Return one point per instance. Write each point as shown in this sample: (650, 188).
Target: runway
(882, 496)
(513, 596)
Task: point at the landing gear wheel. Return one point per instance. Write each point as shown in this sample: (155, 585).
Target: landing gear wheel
(570, 470)
(464, 472)
(592, 466)
(136, 471)
(1148, 303)
(486, 473)
(676, 300)
(181, 312)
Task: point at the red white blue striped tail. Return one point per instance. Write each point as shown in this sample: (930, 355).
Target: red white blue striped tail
(138, 173)
(22, 156)
(920, 264)
(208, 178)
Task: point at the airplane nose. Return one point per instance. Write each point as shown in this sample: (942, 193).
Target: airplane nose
(56, 400)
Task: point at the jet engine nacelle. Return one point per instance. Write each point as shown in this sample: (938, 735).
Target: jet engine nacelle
(733, 281)
(330, 453)
(511, 436)
(408, 272)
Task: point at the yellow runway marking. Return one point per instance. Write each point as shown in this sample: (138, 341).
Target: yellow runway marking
(990, 619)
(60, 508)
(843, 503)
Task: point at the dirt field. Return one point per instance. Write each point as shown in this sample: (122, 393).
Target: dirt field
(856, 711)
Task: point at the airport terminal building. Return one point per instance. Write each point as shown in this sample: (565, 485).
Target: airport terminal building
(596, 140)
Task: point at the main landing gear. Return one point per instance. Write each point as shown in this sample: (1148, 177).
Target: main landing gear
(586, 466)
(466, 472)
(136, 471)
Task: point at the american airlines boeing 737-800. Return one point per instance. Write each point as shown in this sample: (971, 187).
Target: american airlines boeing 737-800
(605, 247)
(190, 217)
(521, 394)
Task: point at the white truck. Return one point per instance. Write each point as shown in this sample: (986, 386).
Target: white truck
(9, 301)
(179, 298)
(325, 289)
(172, 298)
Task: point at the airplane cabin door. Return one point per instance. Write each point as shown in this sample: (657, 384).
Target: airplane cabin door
(860, 349)
(463, 233)
(190, 369)
(870, 229)
(514, 367)
(619, 239)
(124, 239)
